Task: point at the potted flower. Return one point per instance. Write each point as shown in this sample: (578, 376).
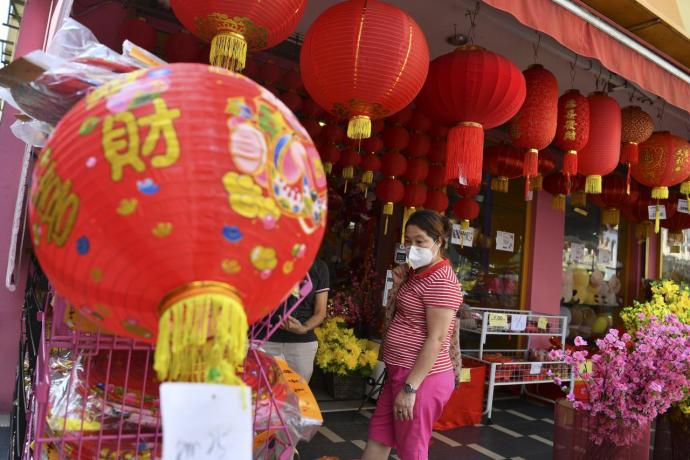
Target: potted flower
(630, 382)
(344, 358)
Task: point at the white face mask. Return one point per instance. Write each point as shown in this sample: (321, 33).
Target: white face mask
(419, 257)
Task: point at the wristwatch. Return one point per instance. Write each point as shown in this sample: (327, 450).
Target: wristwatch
(408, 389)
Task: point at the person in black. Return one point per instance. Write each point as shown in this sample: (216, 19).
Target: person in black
(296, 341)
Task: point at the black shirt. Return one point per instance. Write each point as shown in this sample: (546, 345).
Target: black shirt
(320, 283)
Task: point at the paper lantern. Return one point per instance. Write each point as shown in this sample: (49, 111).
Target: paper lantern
(330, 155)
(139, 32)
(601, 154)
(436, 200)
(292, 81)
(676, 223)
(614, 196)
(311, 109)
(417, 170)
(415, 197)
(292, 101)
(419, 122)
(557, 184)
(418, 145)
(503, 162)
(270, 74)
(389, 191)
(641, 208)
(572, 128)
(183, 47)
(534, 126)
(160, 212)
(235, 26)
(636, 127)
(467, 190)
(437, 151)
(436, 178)
(371, 162)
(664, 162)
(472, 89)
(402, 117)
(466, 209)
(349, 160)
(396, 138)
(363, 60)
(393, 164)
(546, 165)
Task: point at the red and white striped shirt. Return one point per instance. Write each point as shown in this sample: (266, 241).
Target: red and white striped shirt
(438, 287)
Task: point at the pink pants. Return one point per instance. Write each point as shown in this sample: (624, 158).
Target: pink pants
(410, 438)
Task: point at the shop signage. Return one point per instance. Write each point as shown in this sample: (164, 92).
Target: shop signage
(499, 320)
(505, 241)
(653, 210)
(462, 237)
(683, 206)
(213, 435)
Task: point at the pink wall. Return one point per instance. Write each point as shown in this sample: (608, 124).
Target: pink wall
(31, 37)
(546, 252)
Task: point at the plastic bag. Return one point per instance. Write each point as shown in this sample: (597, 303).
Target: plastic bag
(32, 132)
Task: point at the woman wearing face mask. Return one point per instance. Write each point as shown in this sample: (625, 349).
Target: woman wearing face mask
(416, 349)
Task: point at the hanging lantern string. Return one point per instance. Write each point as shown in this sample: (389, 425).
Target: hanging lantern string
(472, 15)
(573, 66)
(599, 80)
(536, 47)
(660, 112)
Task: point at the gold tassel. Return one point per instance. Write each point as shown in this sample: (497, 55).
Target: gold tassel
(229, 50)
(368, 177)
(685, 188)
(465, 224)
(406, 216)
(387, 211)
(536, 183)
(610, 217)
(558, 202)
(202, 335)
(359, 127)
(328, 167)
(593, 185)
(660, 193)
(348, 172)
(500, 184)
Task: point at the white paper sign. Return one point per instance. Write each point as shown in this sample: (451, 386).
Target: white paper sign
(505, 241)
(518, 323)
(535, 368)
(456, 235)
(577, 252)
(683, 206)
(652, 212)
(468, 237)
(388, 287)
(206, 421)
(604, 256)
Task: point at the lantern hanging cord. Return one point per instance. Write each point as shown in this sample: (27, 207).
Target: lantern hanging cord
(536, 47)
(660, 112)
(573, 67)
(472, 15)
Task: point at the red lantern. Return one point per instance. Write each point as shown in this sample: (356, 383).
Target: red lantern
(636, 127)
(558, 185)
(546, 163)
(601, 154)
(313, 127)
(664, 162)
(330, 155)
(402, 117)
(467, 190)
(436, 200)
(503, 162)
(389, 191)
(349, 160)
(572, 128)
(139, 32)
(438, 132)
(270, 74)
(417, 170)
(419, 122)
(676, 224)
(466, 209)
(292, 81)
(644, 206)
(473, 89)
(418, 145)
(292, 101)
(415, 196)
(235, 26)
(135, 214)
(534, 126)
(363, 60)
(183, 47)
(333, 133)
(393, 164)
(396, 138)
(437, 151)
(436, 178)
(370, 164)
(311, 109)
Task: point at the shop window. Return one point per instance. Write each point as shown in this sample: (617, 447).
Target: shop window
(675, 253)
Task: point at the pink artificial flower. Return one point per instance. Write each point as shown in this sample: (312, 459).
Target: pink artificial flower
(580, 342)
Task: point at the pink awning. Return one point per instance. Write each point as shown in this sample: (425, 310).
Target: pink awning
(586, 40)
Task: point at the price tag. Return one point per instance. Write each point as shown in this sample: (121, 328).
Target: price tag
(400, 254)
(535, 368)
(683, 206)
(498, 320)
(653, 210)
(468, 237)
(542, 323)
(456, 235)
(505, 241)
(465, 375)
(577, 252)
(196, 425)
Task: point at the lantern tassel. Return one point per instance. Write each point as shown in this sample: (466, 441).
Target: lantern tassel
(202, 335)
(558, 202)
(610, 217)
(685, 188)
(229, 50)
(348, 172)
(593, 185)
(465, 224)
(579, 199)
(464, 152)
(660, 193)
(368, 177)
(387, 211)
(359, 127)
(570, 163)
(328, 167)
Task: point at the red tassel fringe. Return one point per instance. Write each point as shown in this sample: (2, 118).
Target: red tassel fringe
(630, 154)
(570, 164)
(465, 153)
(531, 167)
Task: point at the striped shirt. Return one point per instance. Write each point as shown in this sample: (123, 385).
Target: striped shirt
(438, 287)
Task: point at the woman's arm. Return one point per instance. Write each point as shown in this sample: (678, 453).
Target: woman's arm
(437, 322)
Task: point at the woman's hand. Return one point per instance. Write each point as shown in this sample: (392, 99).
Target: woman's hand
(399, 275)
(403, 407)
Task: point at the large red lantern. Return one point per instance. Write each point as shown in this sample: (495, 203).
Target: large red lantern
(643, 206)
(235, 26)
(572, 128)
(389, 191)
(601, 154)
(364, 60)
(503, 162)
(636, 127)
(664, 162)
(436, 200)
(466, 209)
(473, 89)
(160, 212)
(534, 126)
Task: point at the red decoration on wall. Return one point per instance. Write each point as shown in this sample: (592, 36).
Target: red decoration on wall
(349, 160)
(396, 138)
(572, 128)
(415, 196)
(159, 212)
(364, 60)
(436, 177)
(437, 151)
(473, 89)
(417, 170)
(466, 209)
(534, 126)
(330, 155)
(503, 162)
(390, 191)
(664, 162)
(601, 154)
(419, 122)
(636, 127)
(233, 27)
(393, 164)
(139, 32)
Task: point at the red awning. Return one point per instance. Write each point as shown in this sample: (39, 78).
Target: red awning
(586, 40)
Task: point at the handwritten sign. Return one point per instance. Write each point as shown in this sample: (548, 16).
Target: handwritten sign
(652, 209)
(542, 323)
(462, 237)
(535, 368)
(518, 323)
(683, 206)
(206, 421)
(468, 237)
(499, 320)
(505, 241)
(465, 375)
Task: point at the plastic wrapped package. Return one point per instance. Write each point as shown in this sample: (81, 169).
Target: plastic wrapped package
(32, 132)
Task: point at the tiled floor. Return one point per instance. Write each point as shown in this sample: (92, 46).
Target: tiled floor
(520, 429)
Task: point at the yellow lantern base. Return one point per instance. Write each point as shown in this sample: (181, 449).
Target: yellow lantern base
(359, 127)
(660, 193)
(558, 202)
(593, 185)
(229, 50)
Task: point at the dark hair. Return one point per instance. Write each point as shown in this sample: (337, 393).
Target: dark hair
(436, 225)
